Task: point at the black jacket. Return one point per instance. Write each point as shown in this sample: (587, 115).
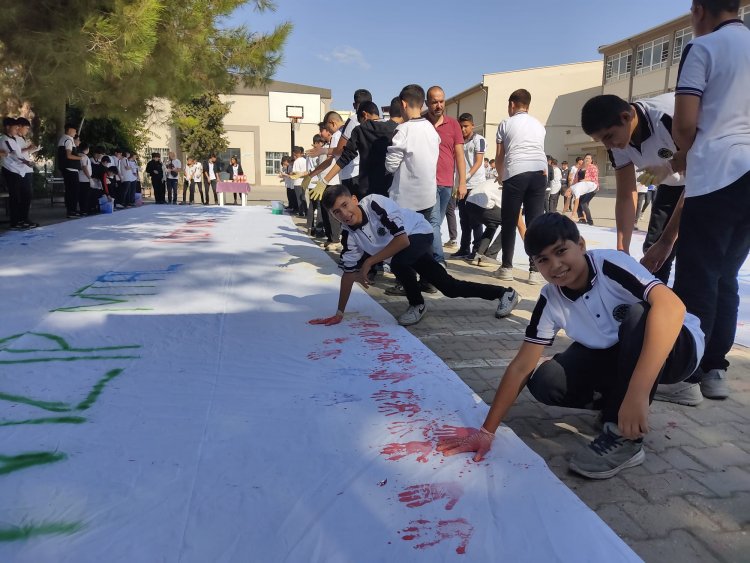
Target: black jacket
(371, 141)
(230, 169)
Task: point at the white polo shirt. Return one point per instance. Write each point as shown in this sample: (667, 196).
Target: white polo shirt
(412, 159)
(657, 147)
(523, 139)
(351, 170)
(13, 162)
(474, 146)
(716, 68)
(69, 143)
(592, 317)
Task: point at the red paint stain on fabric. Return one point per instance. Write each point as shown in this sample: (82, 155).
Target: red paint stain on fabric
(419, 495)
(380, 343)
(394, 407)
(401, 428)
(393, 377)
(395, 357)
(335, 340)
(429, 533)
(333, 354)
(385, 395)
(396, 451)
(448, 431)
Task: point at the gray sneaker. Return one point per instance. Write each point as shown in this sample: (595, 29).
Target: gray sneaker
(508, 302)
(714, 384)
(535, 278)
(503, 273)
(608, 454)
(412, 315)
(682, 393)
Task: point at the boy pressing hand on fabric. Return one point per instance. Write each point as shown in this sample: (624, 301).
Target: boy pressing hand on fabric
(630, 332)
(376, 230)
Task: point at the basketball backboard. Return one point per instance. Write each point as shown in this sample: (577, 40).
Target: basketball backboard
(284, 105)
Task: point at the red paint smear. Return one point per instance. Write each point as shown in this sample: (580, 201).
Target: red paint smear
(384, 395)
(394, 357)
(419, 495)
(448, 431)
(401, 428)
(333, 354)
(335, 340)
(373, 333)
(394, 407)
(433, 534)
(396, 451)
(379, 343)
(393, 377)
(364, 324)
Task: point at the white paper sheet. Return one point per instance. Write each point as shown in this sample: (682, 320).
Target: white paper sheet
(185, 411)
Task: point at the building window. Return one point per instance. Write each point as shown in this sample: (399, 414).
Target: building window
(681, 38)
(618, 66)
(273, 163)
(745, 15)
(652, 55)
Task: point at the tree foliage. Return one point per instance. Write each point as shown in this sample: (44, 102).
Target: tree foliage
(109, 57)
(200, 125)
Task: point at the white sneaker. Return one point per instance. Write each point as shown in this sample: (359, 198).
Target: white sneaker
(503, 273)
(714, 384)
(535, 278)
(412, 315)
(682, 393)
(508, 302)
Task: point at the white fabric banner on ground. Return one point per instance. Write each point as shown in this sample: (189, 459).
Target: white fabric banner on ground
(162, 398)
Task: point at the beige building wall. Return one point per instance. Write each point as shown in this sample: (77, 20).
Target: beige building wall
(557, 95)
(248, 128)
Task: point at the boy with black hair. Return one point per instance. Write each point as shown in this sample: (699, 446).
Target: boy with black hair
(298, 170)
(376, 230)
(711, 127)
(629, 331)
(13, 170)
(211, 169)
(291, 197)
(639, 136)
(474, 148)
(521, 165)
(68, 162)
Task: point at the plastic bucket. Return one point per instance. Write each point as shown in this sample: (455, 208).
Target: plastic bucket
(277, 207)
(106, 207)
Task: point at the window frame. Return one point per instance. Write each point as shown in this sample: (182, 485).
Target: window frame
(680, 36)
(651, 47)
(613, 61)
(275, 161)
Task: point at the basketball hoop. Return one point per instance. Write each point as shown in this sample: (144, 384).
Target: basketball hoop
(295, 121)
(295, 115)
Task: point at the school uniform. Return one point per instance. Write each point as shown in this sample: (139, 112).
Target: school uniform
(69, 170)
(555, 185)
(235, 170)
(331, 225)
(299, 166)
(655, 148)
(483, 205)
(211, 176)
(173, 174)
(714, 237)
(84, 185)
(382, 220)
(128, 175)
(412, 159)
(13, 171)
(474, 148)
(524, 181)
(369, 142)
(27, 182)
(349, 174)
(606, 321)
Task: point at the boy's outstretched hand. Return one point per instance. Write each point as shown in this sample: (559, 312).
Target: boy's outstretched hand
(479, 441)
(328, 321)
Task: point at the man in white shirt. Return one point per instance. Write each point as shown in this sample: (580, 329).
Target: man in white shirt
(27, 151)
(68, 162)
(521, 164)
(211, 169)
(174, 166)
(299, 170)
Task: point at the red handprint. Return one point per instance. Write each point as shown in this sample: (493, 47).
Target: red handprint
(448, 431)
(401, 428)
(394, 357)
(419, 495)
(335, 340)
(380, 342)
(384, 395)
(433, 534)
(396, 451)
(379, 333)
(393, 407)
(393, 377)
(333, 354)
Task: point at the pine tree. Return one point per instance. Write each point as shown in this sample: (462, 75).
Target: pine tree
(200, 125)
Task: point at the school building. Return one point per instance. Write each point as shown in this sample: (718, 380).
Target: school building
(258, 126)
(557, 95)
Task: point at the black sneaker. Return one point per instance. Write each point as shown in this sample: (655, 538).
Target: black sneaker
(462, 253)
(426, 287)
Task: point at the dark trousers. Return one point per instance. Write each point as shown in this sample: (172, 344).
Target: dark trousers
(127, 193)
(527, 189)
(314, 206)
(470, 227)
(570, 378)
(191, 187)
(450, 217)
(13, 184)
(583, 207)
(70, 179)
(159, 190)
(27, 188)
(417, 259)
(299, 193)
(331, 225)
(552, 201)
(714, 243)
(84, 196)
(490, 218)
(204, 189)
(172, 190)
(662, 210)
(212, 185)
(291, 197)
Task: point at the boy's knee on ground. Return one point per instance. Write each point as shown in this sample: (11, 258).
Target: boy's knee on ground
(544, 384)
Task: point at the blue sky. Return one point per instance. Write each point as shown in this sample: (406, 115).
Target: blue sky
(385, 44)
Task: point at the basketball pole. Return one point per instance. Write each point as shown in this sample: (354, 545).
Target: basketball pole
(291, 132)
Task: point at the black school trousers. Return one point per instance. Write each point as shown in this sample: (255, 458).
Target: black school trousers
(417, 259)
(570, 378)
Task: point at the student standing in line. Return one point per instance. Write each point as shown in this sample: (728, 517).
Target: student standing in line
(235, 169)
(155, 170)
(12, 170)
(712, 130)
(555, 185)
(473, 149)
(68, 162)
(585, 189)
(299, 169)
(84, 180)
(174, 166)
(27, 152)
